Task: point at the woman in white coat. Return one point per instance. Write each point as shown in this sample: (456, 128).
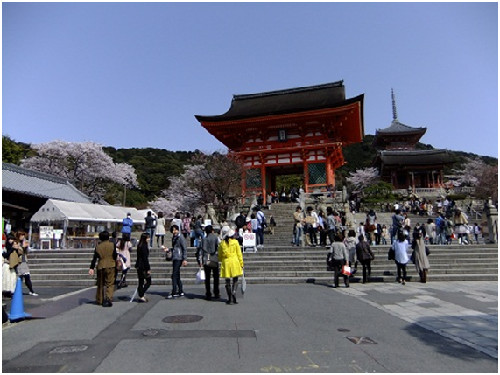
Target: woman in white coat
(401, 254)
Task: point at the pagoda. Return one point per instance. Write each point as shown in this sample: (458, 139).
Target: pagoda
(293, 131)
(399, 161)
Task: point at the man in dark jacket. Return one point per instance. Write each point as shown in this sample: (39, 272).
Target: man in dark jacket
(179, 259)
(150, 227)
(207, 256)
(365, 256)
(105, 254)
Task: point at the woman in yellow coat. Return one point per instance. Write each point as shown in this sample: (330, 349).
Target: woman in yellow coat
(231, 262)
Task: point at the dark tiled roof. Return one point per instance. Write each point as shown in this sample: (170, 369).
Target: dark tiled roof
(22, 180)
(415, 157)
(300, 99)
(399, 128)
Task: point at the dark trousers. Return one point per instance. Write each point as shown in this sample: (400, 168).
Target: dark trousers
(260, 236)
(401, 267)
(322, 237)
(331, 235)
(144, 282)
(208, 271)
(176, 277)
(27, 281)
(312, 234)
(160, 237)
(105, 279)
(367, 270)
(337, 265)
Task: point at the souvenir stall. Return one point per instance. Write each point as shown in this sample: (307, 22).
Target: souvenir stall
(62, 224)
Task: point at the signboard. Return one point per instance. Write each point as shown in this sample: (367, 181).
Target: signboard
(249, 239)
(57, 234)
(46, 233)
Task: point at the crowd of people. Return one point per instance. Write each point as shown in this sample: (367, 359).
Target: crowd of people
(15, 263)
(313, 228)
(219, 257)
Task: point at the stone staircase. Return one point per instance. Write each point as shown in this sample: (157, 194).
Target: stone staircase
(278, 261)
(276, 264)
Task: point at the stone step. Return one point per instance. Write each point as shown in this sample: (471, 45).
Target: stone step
(274, 264)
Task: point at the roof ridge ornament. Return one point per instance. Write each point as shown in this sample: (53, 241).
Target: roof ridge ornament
(394, 110)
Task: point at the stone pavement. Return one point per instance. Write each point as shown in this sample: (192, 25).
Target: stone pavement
(433, 327)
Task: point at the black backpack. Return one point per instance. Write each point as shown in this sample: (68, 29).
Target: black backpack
(240, 221)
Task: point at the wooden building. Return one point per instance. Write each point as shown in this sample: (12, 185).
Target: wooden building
(400, 163)
(293, 131)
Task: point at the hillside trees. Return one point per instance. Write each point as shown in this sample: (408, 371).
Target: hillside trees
(13, 152)
(85, 164)
(154, 168)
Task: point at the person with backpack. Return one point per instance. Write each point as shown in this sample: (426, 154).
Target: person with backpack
(397, 224)
(127, 224)
(365, 256)
(207, 257)
(240, 221)
(440, 230)
(261, 221)
(150, 226)
(198, 230)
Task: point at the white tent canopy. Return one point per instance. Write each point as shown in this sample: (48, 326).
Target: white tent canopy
(56, 211)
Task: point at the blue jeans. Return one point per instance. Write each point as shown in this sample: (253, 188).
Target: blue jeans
(298, 235)
(151, 232)
(176, 277)
(260, 236)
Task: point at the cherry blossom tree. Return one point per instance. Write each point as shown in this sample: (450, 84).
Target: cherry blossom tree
(470, 173)
(209, 179)
(85, 164)
(363, 178)
(480, 175)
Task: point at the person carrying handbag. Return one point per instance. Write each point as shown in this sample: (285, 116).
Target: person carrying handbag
(419, 256)
(207, 257)
(340, 257)
(365, 256)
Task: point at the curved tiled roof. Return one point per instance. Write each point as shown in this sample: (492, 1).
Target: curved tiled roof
(300, 99)
(400, 128)
(26, 181)
(415, 157)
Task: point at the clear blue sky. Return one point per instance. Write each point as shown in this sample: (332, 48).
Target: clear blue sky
(135, 74)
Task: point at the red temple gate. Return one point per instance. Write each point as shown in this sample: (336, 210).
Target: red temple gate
(294, 131)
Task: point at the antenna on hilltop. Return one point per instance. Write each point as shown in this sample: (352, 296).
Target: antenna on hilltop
(394, 110)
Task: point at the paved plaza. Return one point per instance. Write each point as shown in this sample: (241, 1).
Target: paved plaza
(433, 327)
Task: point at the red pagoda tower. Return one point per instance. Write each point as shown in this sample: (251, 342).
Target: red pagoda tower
(400, 163)
(294, 131)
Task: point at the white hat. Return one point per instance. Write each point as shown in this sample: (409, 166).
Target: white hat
(231, 233)
(224, 230)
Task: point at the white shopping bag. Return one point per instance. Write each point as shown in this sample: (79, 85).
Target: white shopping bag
(243, 284)
(200, 276)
